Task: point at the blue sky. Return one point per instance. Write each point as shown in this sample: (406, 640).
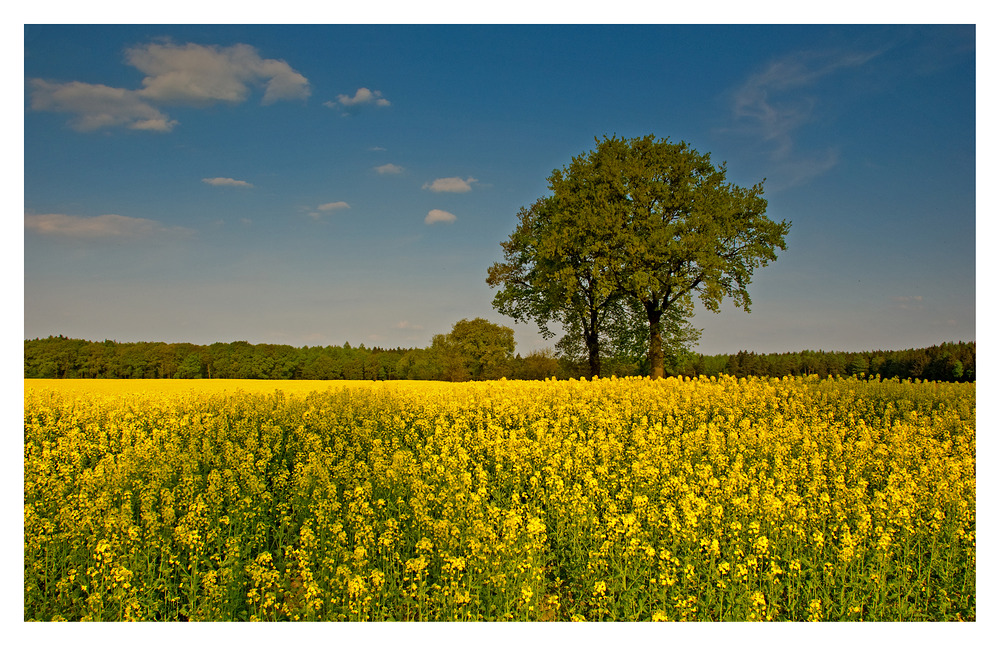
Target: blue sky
(312, 185)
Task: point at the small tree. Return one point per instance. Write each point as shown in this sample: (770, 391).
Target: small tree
(448, 359)
(475, 349)
(539, 364)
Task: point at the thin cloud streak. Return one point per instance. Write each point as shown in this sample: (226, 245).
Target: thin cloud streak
(227, 181)
(101, 226)
(333, 206)
(796, 168)
(328, 207)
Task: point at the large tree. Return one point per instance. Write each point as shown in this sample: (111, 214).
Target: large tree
(655, 222)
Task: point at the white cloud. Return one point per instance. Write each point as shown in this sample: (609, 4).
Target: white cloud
(227, 181)
(451, 185)
(160, 125)
(437, 215)
(101, 226)
(406, 325)
(329, 206)
(363, 96)
(388, 169)
(98, 106)
(196, 75)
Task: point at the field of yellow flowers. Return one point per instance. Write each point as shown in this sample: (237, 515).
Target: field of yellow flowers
(615, 499)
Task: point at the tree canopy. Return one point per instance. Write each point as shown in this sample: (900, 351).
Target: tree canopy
(552, 273)
(475, 349)
(634, 225)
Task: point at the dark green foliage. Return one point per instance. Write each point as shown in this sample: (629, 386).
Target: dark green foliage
(59, 357)
(945, 362)
(475, 349)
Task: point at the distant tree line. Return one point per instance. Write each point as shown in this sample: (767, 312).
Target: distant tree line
(58, 357)
(945, 362)
(473, 350)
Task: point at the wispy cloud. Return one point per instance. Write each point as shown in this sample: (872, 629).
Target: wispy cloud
(798, 167)
(451, 185)
(437, 215)
(101, 226)
(227, 181)
(767, 103)
(909, 302)
(388, 169)
(190, 74)
(772, 105)
(406, 325)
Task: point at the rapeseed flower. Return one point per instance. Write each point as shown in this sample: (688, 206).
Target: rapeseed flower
(709, 498)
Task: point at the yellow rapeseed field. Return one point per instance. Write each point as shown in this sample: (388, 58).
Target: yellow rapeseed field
(615, 499)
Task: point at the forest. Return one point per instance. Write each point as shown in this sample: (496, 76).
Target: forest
(61, 357)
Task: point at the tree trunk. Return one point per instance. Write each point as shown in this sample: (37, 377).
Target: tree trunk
(655, 343)
(593, 354)
(591, 335)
